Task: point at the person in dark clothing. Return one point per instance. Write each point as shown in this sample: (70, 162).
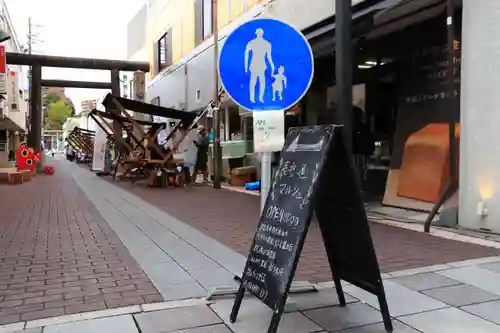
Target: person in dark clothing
(363, 143)
(202, 144)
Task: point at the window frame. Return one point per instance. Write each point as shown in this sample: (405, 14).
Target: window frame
(204, 33)
(200, 30)
(163, 60)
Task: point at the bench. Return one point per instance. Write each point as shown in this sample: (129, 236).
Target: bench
(26, 174)
(15, 178)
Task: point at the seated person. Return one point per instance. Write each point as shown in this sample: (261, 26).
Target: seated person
(160, 142)
(162, 136)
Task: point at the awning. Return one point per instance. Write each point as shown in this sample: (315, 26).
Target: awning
(404, 14)
(7, 124)
(322, 35)
(120, 119)
(145, 108)
(357, 14)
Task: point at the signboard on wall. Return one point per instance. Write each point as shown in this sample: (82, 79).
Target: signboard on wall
(3, 70)
(13, 95)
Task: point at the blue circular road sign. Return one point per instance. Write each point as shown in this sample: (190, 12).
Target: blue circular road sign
(265, 64)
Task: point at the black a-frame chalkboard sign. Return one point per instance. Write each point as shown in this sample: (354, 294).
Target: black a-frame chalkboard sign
(314, 174)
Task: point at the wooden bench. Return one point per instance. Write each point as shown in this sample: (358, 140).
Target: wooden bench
(15, 178)
(27, 174)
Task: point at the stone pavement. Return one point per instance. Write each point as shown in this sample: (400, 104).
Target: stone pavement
(231, 218)
(459, 297)
(180, 261)
(58, 256)
(183, 262)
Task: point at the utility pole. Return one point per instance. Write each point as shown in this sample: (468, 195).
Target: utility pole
(32, 39)
(217, 155)
(33, 36)
(30, 35)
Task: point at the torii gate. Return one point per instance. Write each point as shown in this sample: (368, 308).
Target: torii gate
(38, 61)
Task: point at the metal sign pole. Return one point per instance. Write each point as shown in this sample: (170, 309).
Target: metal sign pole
(265, 178)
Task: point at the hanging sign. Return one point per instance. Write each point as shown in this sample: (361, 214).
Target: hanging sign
(3, 70)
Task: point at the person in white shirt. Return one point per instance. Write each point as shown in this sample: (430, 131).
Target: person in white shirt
(187, 150)
(162, 135)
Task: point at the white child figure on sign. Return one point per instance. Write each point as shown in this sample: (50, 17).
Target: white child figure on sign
(279, 83)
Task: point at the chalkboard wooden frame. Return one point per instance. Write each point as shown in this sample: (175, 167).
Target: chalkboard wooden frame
(347, 236)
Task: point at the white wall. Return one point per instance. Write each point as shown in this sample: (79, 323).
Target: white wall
(480, 114)
(140, 55)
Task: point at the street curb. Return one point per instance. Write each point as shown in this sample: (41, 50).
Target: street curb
(440, 233)
(129, 310)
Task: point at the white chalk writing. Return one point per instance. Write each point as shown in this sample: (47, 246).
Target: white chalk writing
(302, 174)
(259, 249)
(286, 189)
(261, 277)
(259, 262)
(274, 242)
(277, 214)
(276, 231)
(256, 290)
(305, 201)
(276, 270)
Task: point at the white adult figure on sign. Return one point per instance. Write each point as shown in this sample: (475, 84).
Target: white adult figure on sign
(261, 50)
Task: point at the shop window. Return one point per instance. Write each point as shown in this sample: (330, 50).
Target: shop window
(163, 51)
(247, 124)
(204, 20)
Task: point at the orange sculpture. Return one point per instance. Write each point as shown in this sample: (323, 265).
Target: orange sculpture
(425, 169)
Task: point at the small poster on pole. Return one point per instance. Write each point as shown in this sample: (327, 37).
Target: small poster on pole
(268, 131)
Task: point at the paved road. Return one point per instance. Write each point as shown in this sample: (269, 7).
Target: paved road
(458, 297)
(58, 255)
(231, 218)
(54, 221)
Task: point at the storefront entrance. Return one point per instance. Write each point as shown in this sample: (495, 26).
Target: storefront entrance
(400, 86)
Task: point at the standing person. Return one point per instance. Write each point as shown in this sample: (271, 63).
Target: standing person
(202, 144)
(363, 144)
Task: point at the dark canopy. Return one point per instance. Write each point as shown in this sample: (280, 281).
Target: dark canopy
(83, 130)
(150, 109)
(120, 119)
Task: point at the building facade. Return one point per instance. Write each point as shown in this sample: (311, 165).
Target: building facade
(13, 125)
(399, 55)
(88, 105)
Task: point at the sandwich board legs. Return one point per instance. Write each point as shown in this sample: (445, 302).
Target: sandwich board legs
(384, 308)
(340, 292)
(237, 303)
(275, 321)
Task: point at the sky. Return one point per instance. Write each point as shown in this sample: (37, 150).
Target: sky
(76, 28)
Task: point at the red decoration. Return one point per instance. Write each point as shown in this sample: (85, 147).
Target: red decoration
(26, 158)
(48, 170)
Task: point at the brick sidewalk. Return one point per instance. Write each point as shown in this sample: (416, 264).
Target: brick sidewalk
(231, 218)
(58, 256)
